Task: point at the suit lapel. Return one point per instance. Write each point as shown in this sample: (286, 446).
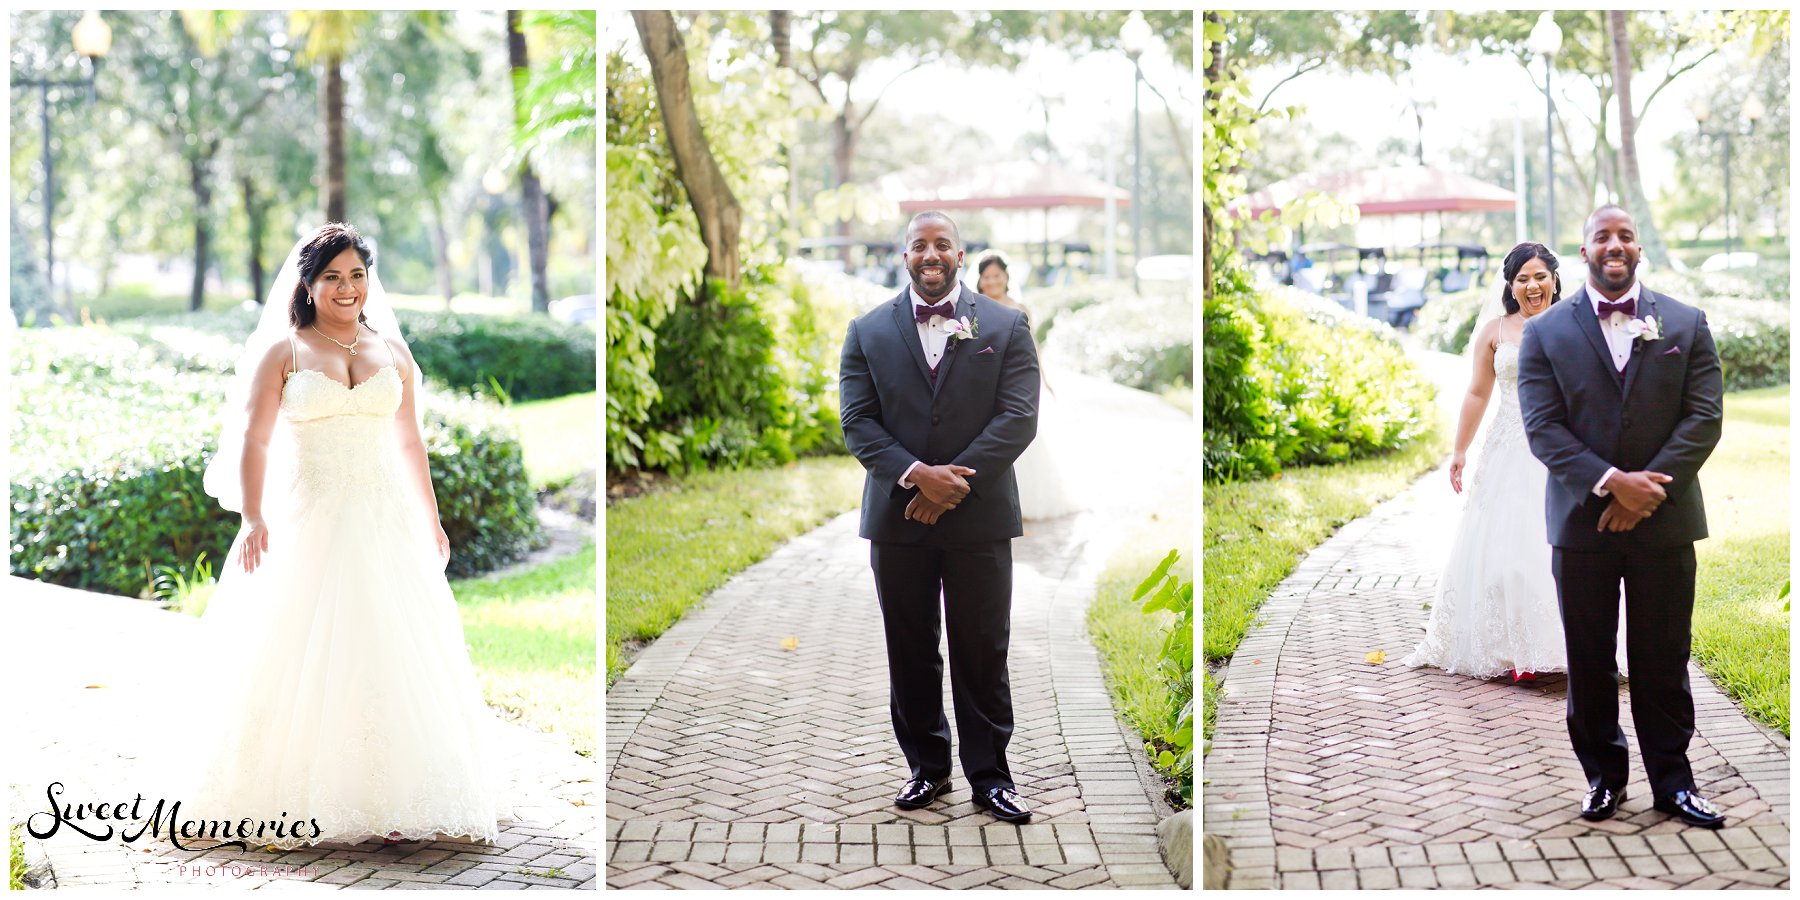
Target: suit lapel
(1590, 326)
(964, 307)
(1646, 307)
(908, 329)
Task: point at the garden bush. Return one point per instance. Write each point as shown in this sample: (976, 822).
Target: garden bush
(1291, 379)
(1145, 342)
(530, 357)
(748, 376)
(1750, 329)
(111, 444)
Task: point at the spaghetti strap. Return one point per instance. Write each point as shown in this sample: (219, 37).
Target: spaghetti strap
(293, 358)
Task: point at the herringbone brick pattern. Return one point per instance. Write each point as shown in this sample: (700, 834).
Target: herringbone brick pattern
(736, 762)
(1331, 772)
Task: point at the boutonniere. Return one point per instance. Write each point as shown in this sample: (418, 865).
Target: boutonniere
(961, 329)
(1645, 329)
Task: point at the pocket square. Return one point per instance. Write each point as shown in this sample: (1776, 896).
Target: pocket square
(984, 350)
(1672, 351)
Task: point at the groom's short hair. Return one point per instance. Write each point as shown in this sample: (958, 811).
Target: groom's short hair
(1587, 227)
(933, 214)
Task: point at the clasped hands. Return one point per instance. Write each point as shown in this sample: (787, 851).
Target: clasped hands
(941, 488)
(1635, 495)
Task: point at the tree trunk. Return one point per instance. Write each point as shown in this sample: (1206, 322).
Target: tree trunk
(256, 214)
(843, 151)
(440, 246)
(709, 193)
(335, 187)
(197, 179)
(537, 215)
(1214, 68)
(1635, 201)
(781, 35)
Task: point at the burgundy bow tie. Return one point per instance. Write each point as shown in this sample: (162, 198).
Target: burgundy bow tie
(946, 309)
(1628, 307)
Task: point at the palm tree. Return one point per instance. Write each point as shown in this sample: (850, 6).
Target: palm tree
(330, 36)
(537, 214)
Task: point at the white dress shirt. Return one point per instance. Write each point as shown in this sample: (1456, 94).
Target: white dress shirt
(1618, 340)
(935, 340)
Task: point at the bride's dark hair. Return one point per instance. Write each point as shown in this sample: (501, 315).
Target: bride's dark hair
(317, 253)
(1515, 261)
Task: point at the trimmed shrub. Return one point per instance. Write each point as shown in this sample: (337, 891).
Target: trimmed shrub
(530, 357)
(1143, 342)
(112, 444)
(748, 377)
(1445, 323)
(1291, 379)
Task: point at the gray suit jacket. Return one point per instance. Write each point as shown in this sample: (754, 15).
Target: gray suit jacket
(981, 413)
(1581, 416)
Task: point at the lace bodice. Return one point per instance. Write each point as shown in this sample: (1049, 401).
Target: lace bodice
(342, 437)
(1508, 426)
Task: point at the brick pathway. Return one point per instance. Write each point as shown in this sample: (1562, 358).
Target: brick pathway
(1327, 772)
(67, 732)
(734, 762)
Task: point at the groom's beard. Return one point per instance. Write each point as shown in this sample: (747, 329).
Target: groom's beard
(948, 287)
(1597, 271)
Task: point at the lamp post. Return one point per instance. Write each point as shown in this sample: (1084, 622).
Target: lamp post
(1135, 38)
(1545, 40)
(92, 38)
(1752, 111)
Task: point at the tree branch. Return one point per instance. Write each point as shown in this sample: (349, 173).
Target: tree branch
(1187, 161)
(1304, 68)
(858, 124)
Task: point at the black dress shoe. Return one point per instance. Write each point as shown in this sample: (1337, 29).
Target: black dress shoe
(1690, 808)
(1004, 804)
(1601, 803)
(919, 792)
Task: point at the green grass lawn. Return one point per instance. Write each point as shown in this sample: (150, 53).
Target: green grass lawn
(1740, 629)
(1128, 639)
(561, 436)
(1255, 533)
(667, 549)
(531, 637)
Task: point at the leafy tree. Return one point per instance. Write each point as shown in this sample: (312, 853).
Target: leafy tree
(330, 36)
(714, 204)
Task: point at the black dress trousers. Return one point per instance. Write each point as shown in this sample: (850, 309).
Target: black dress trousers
(1659, 611)
(974, 582)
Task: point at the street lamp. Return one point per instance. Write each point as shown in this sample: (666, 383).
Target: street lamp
(1751, 111)
(1135, 38)
(92, 38)
(1544, 41)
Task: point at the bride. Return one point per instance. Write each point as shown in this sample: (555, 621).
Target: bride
(351, 709)
(1496, 612)
(1045, 491)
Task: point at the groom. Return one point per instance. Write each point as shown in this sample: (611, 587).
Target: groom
(1621, 395)
(939, 394)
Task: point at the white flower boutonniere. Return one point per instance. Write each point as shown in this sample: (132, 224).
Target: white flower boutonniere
(1645, 329)
(959, 329)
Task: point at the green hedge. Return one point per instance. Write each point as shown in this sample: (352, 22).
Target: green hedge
(530, 357)
(1291, 379)
(747, 376)
(1145, 342)
(111, 443)
(1750, 330)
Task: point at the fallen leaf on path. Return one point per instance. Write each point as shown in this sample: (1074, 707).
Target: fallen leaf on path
(790, 643)
(1376, 658)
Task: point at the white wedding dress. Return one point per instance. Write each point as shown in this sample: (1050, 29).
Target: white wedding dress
(1045, 488)
(339, 686)
(1496, 608)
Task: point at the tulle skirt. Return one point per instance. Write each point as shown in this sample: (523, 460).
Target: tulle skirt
(1496, 608)
(344, 705)
(1047, 488)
